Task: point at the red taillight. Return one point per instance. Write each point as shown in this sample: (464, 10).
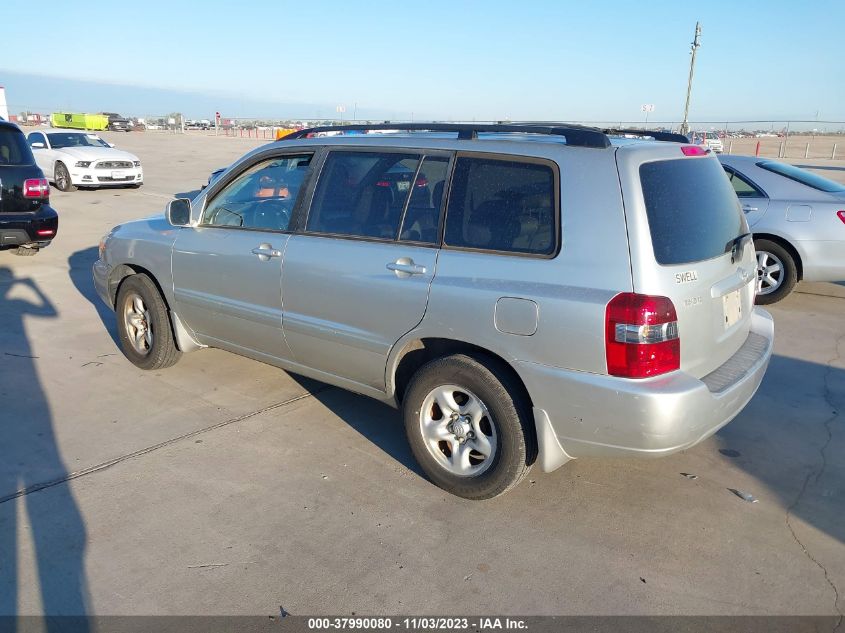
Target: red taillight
(45, 232)
(641, 336)
(694, 150)
(382, 183)
(841, 215)
(36, 188)
(422, 182)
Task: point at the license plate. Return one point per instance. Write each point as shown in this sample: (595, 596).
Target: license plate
(403, 185)
(732, 303)
(118, 174)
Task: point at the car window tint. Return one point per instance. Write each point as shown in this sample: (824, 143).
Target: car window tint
(742, 187)
(502, 205)
(693, 213)
(262, 197)
(362, 194)
(422, 218)
(13, 148)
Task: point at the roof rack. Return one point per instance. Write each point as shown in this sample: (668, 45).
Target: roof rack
(575, 135)
(671, 137)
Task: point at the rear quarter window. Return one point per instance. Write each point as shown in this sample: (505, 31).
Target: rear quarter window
(693, 212)
(14, 149)
(503, 205)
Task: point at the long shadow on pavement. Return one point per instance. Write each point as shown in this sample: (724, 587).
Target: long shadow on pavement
(378, 422)
(80, 264)
(790, 438)
(29, 459)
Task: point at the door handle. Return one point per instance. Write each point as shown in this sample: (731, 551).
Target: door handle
(748, 208)
(265, 252)
(405, 266)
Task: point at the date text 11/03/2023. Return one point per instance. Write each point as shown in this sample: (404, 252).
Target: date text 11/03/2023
(416, 623)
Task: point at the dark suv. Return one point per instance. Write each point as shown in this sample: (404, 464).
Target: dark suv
(27, 221)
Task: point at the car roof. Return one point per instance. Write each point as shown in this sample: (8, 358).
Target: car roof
(8, 125)
(776, 186)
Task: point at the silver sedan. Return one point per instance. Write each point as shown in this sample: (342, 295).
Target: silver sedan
(798, 221)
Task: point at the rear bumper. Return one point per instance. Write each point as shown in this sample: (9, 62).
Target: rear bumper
(18, 229)
(580, 414)
(822, 260)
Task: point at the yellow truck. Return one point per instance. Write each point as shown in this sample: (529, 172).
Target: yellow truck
(77, 121)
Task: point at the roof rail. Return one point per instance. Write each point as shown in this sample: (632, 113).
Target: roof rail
(671, 137)
(575, 135)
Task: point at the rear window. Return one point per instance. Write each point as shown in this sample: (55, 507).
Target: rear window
(13, 148)
(804, 177)
(693, 212)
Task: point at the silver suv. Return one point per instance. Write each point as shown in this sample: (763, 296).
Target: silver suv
(524, 293)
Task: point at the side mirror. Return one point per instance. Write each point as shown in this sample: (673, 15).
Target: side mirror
(179, 212)
(37, 146)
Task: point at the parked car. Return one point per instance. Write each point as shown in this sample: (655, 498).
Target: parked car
(798, 221)
(710, 140)
(27, 221)
(118, 123)
(73, 159)
(546, 301)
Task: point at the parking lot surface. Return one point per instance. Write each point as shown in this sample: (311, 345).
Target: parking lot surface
(225, 486)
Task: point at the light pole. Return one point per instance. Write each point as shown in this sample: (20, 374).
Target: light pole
(694, 47)
(647, 108)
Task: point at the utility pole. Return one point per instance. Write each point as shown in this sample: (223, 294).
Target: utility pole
(694, 47)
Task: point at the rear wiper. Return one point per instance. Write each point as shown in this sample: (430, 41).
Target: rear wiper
(736, 244)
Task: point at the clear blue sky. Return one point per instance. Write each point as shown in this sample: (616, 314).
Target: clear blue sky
(584, 60)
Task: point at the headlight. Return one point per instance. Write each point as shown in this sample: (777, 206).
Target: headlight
(83, 163)
(102, 247)
(137, 163)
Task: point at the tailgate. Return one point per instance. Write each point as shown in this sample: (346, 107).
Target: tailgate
(689, 242)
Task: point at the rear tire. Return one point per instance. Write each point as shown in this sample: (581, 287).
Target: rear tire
(483, 443)
(777, 272)
(143, 324)
(61, 177)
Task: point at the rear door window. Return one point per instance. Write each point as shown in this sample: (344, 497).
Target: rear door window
(693, 212)
(363, 194)
(13, 148)
(503, 205)
(743, 187)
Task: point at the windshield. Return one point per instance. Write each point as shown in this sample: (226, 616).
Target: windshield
(76, 139)
(804, 177)
(693, 212)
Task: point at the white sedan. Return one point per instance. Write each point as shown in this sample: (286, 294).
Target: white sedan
(72, 158)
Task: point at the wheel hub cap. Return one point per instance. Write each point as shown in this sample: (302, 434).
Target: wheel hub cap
(458, 430)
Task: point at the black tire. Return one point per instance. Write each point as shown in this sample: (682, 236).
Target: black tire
(510, 415)
(163, 351)
(22, 251)
(787, 277)
(61, 178)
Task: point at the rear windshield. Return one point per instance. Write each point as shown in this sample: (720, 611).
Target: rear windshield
(804, 177)
(14, 149)
(693, 212)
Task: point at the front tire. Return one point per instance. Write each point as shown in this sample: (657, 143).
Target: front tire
(777, 273)
(469, 426)
(62, 178)
(143, 324)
